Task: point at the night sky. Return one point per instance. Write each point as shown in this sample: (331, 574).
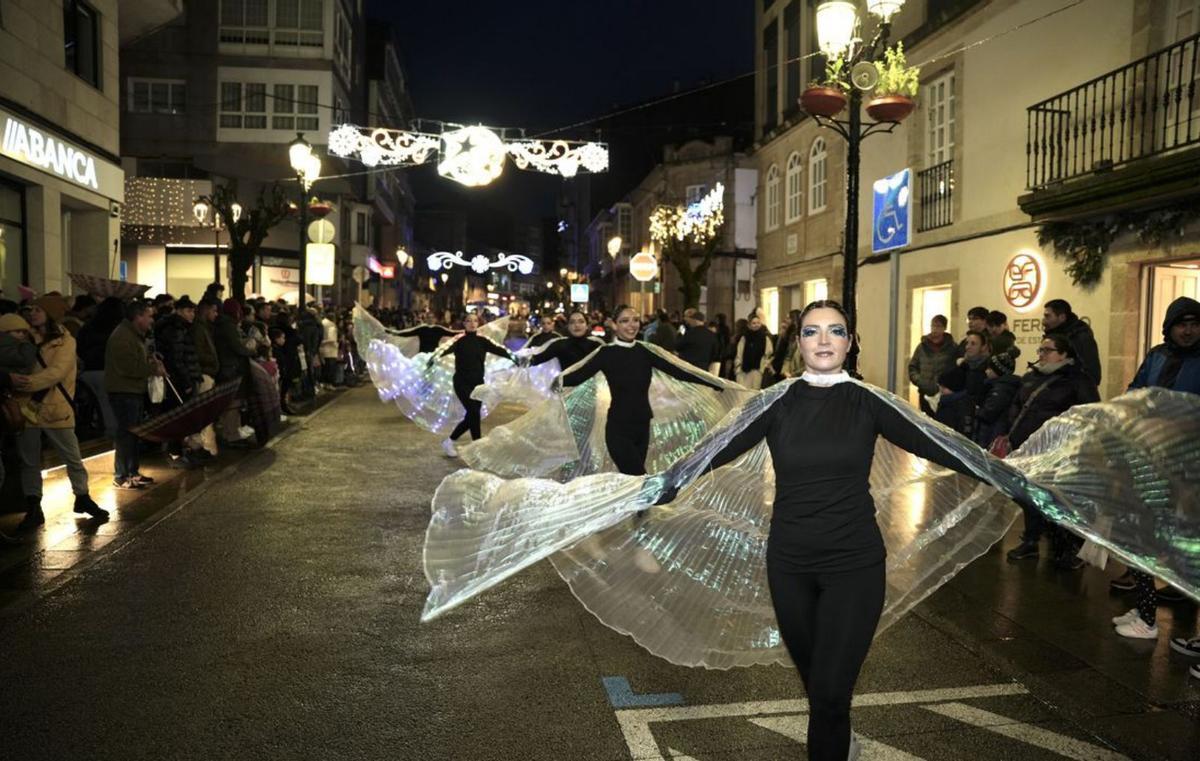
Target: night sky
(542, 64)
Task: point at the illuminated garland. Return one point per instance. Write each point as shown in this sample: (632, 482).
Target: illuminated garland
(480, 263)
(698, 222)
(158, 211)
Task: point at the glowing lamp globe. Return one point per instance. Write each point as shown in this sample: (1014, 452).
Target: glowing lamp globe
(884, 9)
(298, 152)
(614, 246)
(836, 21)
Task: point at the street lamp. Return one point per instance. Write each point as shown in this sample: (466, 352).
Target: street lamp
(837, 24)
(200, 210)
(402, 259)
(307, 166)
(614, 250)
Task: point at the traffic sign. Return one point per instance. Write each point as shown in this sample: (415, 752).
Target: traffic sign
(643, 266)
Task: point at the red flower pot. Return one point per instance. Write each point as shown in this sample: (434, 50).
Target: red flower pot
(823, 101)
(890, 108)
(319, 210)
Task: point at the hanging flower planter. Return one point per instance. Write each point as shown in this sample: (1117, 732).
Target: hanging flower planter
(319, 208)
(890, 108)
(823, 101)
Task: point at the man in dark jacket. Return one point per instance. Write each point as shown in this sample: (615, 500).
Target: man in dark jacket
(233, 356)
(202, 338)
(964, 386)
(1000, 391)
(698, 346)
(933, 356)
(127, 368)
(177, 345)
(1059, 320)
(1002, 340)
(663, 333)
(308, 327)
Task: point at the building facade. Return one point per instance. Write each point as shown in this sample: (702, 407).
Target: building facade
(998, 151)
(61, 182)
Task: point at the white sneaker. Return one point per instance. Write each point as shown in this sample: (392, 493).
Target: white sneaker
(1189, 646)
(449, 448)
(1137, 629)
(1125, 618)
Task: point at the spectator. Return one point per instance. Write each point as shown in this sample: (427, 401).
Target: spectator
(754, 350)
(1055, 384)
(81, 313)
(661, 332)
(214, 292)
(93, 336)
(176, 344)
(1000, 391)
(786, 347)
(698, 346)
(51, 392)
(233, 359)
(202, 339)
(256, 328)
(331, 369)
(164, 304)
(934, 355)
(311, 334)
(964, 386)
(1173, 364)
(1059, 320)
(127, 368)
(1001, 338)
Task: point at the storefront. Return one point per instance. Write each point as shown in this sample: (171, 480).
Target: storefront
(60, 202)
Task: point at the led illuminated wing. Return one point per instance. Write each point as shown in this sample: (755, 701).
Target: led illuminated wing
(523, 386)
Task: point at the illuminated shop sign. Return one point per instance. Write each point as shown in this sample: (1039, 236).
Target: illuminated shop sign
(50, 153)
(1024, 281)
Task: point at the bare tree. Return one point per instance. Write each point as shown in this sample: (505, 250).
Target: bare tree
(246, 235)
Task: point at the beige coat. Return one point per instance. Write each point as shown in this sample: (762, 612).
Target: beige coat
(59, 356)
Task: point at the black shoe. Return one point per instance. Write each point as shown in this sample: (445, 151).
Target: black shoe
(34, 516)
(141, 480)
(1068, 562)
(1028, 548)
(1123, 583)
(85, 504)
(1170, 595)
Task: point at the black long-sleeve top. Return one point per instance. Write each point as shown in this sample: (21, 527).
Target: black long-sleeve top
(628, 368)
(427, 335)
(822, 442)
(541, 339)
(567, 351)
(469, 350)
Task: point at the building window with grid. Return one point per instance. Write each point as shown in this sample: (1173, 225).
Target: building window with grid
(298, 23)
(772, 221)
(81, 42)
(157, 96)
(245, 22)
(939, 120)
(624, 224)
(243, 105)
(818, 176)
(795, 197)
(343, 41)
(360, 228)
(294, 107)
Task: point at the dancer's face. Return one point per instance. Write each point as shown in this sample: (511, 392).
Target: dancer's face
(628, 325)
(577, 325)
(471, 323)
(824, 341)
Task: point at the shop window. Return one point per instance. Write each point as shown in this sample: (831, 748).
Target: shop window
(81, 28)
(12, 239)
(794, 194)
(157, 96)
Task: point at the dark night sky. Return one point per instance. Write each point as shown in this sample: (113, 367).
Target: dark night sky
(541, 64)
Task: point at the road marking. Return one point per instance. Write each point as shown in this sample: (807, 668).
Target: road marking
(796, 728)
(1067, 747)
(621, 695)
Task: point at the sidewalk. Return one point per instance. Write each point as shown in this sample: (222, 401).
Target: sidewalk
(69, 542)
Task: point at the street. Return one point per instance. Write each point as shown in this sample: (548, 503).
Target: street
(271, 611)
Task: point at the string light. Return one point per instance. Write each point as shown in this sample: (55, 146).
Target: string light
(479, 263)
(159, 211)
(698, 222)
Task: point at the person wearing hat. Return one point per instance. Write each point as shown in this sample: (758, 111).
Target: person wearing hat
(48, 393)
(1000, 389)
(177, 347)
(1173, 364)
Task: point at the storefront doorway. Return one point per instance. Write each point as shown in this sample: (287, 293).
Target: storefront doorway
(1163, 284)
(927, 301)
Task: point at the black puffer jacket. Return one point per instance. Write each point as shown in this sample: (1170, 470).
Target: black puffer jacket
(1068, 386)
(1079, 334)
(177, 346)
(1000, 393)
(232, 354)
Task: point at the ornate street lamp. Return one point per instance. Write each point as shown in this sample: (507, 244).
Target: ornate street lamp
(307, 166)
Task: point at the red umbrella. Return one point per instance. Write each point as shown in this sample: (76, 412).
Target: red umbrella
(189, 417)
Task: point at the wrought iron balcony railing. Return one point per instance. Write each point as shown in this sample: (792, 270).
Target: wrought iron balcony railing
(935, 189)
(1143, 109)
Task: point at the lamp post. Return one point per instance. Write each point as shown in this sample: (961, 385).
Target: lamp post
(402, 259)
(307, 166)
(614, 250)
(837, 24)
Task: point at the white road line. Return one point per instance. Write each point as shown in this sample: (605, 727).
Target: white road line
(1065, 746)
(675, 755)
(796, 728)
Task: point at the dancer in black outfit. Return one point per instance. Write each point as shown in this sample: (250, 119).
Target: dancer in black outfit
(546, 335)
(469, 350)
(571, 349)
(627, 366)
(429, 334)
(825, 553)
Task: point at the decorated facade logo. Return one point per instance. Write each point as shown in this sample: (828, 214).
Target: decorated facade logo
(1024, 281)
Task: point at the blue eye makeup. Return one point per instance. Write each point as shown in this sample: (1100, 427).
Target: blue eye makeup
(838, 330)
(808, 332)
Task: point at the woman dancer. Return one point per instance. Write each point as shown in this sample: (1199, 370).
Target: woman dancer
(627, 365)
(469, 350)
(572, 348)
(754, 350)
(825, 552)
(428, 333)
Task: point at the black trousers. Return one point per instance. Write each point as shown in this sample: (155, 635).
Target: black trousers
(628, 441)
(827, 620)
(472, 421)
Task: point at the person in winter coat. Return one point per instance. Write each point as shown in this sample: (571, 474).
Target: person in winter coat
(51, 395)
(233, 356)
(964, 385)
(17, 357)
(202, 338)
(1055, 384)
(934, 355)
(1059, 320)
(288, 351)
(753, 353)
(127, 368)
(311, 334)
(1000, 390)
(698, 346)
(661, 332)
(176, 345)
(789, 339)
(1173, 364)
(330, 367)
(93, 336)
(1002, 339)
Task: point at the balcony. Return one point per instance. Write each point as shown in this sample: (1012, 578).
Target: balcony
(935, 189)
(1125, 139)
(137, 18)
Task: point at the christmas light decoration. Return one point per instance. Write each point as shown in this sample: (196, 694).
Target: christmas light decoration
(698, 222)
(480, 263)
(473, 156)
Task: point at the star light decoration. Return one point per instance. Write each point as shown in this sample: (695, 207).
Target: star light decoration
(473, 156)
(699, 222)
(479, 263)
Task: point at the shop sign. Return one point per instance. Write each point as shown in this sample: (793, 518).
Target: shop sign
(891, 216)
(29, 145)
(1024, 281)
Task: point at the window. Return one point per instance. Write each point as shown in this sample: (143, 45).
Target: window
(818, 176)
(360, 228)
(294, 108)
(771, 68)
(157, 96)
(245, 22)
(13, 270)
(343, 41)
(694, 193)
(624, 225)
(815, 290)
(768, 300)
(243, 105)
(173, 169)
(791, 33)
(298, 23)
(794, 196)
(80, 29)
(939, 120)
(772, 198)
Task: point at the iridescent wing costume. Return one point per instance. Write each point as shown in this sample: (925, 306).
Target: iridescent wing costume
(688, 580)
(523, 385)
(563, 437)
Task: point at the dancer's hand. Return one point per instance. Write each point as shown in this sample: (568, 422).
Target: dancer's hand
(668, 495)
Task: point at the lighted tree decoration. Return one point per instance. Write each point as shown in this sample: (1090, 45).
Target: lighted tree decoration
(688, 233)
(247, 234)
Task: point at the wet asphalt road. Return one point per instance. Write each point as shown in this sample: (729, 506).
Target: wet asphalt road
(274, 615)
